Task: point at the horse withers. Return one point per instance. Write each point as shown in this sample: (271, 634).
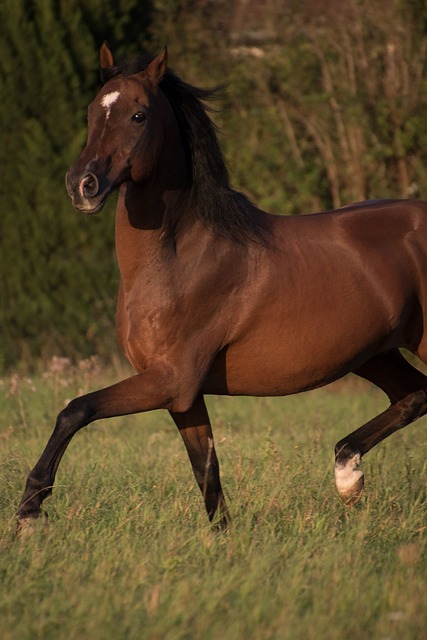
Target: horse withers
(218, 297)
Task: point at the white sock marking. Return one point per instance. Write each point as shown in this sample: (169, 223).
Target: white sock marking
(108, 100)
(348, 475)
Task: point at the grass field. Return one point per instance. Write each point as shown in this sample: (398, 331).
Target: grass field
(130, 554)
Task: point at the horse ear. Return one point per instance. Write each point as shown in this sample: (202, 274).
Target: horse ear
(106, 59)
(157, 68)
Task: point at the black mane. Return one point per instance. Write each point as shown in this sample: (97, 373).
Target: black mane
(221, 208)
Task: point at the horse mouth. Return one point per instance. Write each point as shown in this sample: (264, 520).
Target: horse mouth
(90, 209)
(90, 206)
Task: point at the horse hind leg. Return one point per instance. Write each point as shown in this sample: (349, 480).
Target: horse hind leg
(406, 388)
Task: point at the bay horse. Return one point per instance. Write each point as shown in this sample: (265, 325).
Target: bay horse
(219, 297)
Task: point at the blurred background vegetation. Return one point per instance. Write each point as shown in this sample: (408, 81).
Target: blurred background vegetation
(326, 104)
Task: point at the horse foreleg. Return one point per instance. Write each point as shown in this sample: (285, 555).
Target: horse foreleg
(152, 389)
(195, 429)
(407, 390)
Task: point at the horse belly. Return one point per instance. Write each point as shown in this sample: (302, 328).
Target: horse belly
(293, 353)
(273, 375)
(275, 372)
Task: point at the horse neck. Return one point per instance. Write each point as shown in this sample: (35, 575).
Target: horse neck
(158, 232)
(142, 224)
(151, 214)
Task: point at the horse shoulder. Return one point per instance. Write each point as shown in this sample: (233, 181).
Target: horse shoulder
(180, 314)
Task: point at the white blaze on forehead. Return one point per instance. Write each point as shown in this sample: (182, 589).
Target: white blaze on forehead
(108, 100)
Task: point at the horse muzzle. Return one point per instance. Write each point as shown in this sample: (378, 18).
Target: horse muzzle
(86, 192)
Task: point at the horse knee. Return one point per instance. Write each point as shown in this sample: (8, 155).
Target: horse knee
(76, 415)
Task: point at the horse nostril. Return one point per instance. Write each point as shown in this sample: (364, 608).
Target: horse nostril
(89, 186)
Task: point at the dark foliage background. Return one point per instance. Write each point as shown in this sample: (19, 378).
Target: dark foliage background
(326, 104)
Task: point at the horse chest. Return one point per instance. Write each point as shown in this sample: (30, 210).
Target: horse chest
(145, 327)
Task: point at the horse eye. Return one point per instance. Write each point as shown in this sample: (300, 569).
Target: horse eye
(138, 117)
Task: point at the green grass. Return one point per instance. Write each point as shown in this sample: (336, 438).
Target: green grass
(129, 552)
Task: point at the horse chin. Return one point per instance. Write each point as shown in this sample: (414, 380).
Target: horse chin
(90, 209)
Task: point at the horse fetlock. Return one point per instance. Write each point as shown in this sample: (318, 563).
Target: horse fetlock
(349, 478)
(27, 525)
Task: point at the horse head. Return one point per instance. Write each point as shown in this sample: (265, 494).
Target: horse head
(125, 133)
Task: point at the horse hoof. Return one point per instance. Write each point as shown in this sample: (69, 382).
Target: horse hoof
(27, 526)
(222, 526)
(349, 480)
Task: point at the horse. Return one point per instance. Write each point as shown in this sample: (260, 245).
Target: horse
(219, 297)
